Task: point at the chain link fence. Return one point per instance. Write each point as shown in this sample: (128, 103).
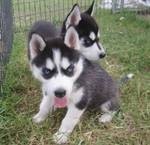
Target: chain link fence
(28, 11)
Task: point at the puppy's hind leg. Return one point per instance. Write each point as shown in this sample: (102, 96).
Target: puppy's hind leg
(108, 109)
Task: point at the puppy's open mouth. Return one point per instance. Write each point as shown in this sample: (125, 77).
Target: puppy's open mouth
(60, 102)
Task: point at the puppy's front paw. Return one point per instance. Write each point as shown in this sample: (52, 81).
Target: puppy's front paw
(38, 118)
(105, 118)
(60, 138)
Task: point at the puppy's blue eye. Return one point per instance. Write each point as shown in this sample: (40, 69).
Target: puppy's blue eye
(87, 42)
(46, 71)
(69, 71)
(70, 68)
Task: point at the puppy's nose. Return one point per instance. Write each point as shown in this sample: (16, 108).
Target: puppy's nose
(102, 55)
(60, 93)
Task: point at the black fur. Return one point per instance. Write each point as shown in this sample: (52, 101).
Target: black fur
(99, 87)
(86, 25)
(45, 29)
(90, 10)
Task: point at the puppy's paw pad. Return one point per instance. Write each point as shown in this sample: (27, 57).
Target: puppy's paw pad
(105, 118)
(38, 118)
(60, 138)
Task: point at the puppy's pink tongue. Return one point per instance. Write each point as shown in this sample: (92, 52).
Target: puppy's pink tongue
(60, 102)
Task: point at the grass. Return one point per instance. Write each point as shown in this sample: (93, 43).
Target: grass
(126, 38)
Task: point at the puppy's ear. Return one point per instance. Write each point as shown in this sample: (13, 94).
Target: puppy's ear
(72, 38)
(73, 17)
(90, 10)
(36, 45)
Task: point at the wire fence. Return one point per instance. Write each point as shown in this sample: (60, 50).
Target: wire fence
(28, 11)
(25, 12)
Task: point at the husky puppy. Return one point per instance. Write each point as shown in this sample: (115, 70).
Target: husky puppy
(88, 31)
(69, 80)
(86, 27)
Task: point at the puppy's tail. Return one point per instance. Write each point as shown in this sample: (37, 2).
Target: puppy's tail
(123, 80)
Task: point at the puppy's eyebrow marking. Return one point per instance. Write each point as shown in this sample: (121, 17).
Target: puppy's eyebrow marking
(57, 57)
(49, 64)
(65, 63)
(92, 36)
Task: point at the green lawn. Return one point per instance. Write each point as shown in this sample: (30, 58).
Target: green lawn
(128, 50)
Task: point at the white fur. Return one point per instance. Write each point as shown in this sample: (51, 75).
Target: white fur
(57, 57)
(76, 95)
(37, 73)
(59, 81)
(105, 118)
(65, 63)
(105, 107)
(49, 64)
(98, 35)
(92, 36)
(78, 69)
(130, 76)
(108, 114)
(46, 106)
(91, 53)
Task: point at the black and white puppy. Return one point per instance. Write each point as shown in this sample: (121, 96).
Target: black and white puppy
(88, 31)
(69, 80)
(86, 28)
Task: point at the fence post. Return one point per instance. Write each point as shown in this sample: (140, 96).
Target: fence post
(6, 35)
(114, 6)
